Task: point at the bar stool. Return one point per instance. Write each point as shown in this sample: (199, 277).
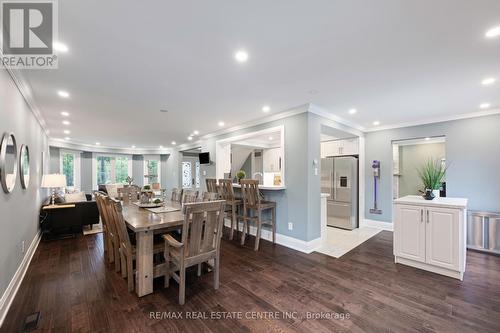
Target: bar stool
(211, 185)
(252, 202)
(226, 192)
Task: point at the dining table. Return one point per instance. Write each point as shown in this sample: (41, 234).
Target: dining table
(145, 224)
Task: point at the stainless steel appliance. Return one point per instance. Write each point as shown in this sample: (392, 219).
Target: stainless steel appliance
(483, 231)
(339, 178)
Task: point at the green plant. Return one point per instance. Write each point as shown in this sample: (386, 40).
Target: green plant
(432, 174)
(147, 187)
(241, 174)
(157, 201)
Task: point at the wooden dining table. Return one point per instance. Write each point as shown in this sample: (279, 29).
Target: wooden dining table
(145, 224)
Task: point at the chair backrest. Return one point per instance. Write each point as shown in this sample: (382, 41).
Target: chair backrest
(209, 196)
(250, 193)
(99, 198)
(175, 196)
(108, 215)
(115, 207)
(124, 194)
(189, 196)
(211, 185)
(226, 189)
(202, 227)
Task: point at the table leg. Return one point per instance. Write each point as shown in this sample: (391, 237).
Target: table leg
(144, 262)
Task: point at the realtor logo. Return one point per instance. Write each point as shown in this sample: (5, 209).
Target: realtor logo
(28, 32)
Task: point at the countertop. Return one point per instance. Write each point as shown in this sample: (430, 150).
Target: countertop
(261, 187)
(436, 202)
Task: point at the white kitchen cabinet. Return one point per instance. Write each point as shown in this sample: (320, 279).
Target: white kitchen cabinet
(431, 235)
(340, 147)
(272, 160)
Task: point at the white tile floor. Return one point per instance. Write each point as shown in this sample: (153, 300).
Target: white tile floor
(339, 241)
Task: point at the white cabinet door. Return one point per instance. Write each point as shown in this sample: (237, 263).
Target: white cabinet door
(329, 148)
(349, 147)
(442, 248)
(409, 232)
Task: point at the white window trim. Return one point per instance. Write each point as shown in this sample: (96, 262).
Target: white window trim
(145, 167)
(76, 167)
(94, 166)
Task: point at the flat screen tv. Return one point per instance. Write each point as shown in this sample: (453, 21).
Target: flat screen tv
(204, 158)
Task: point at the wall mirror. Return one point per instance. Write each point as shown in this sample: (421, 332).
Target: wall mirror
(8, 162)
(24, 166)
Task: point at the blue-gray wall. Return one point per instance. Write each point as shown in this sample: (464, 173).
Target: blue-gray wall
(472, 154)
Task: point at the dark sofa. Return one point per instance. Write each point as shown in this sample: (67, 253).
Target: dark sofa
(69, 220)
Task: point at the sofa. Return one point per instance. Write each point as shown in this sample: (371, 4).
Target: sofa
(60, 221)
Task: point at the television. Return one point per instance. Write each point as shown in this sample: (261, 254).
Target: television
(204, 158)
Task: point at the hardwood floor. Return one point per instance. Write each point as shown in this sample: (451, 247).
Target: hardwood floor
(75, 292)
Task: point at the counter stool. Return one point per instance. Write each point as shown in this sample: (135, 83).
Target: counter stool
(226, 192)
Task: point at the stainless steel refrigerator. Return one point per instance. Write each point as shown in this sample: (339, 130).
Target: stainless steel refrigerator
(339, 178)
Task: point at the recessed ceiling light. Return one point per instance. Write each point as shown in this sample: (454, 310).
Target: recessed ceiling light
(133, 147)
(376, 123)
(66, 132)
(484, 106)
(427, 139)
(352, 111)
(65, 122)
(64, 113)
(63, 94)
(221, 124)
(270, 138)
(493, 32)
(60, 47)
(66, 138)
(173, 143)
(266, 108)
(241, 56)
(161, 147)
(196, 132)
(190, 138)
(488, 81)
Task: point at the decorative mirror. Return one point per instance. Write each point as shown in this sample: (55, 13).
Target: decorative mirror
(24, 166)
(8, 162)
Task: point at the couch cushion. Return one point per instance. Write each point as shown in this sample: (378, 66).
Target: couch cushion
(75, 197)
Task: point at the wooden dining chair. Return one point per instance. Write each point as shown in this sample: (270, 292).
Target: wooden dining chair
(209, 196)
(112, 231)
(226, 192)
(128, 250)
(252, 203)
(175, 196)
(201, 237)
(211, 185)
(108, 247)
(189, 196)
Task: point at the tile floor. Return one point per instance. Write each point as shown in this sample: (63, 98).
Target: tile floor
(339, 241)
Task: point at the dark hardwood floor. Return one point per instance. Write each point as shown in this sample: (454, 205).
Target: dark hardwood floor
(74, 291)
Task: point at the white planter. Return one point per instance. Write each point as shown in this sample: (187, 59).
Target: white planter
(436, 193)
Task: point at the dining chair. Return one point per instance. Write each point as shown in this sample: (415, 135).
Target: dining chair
(112, 231)
(124, 194)
(209, 196)
(128, 250)
(189, 196)
(232, 203)
(175, 196)
(253, 203)
(201, 237)
(211, 185)
(108, 247)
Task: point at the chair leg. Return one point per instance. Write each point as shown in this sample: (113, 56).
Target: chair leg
(216, 272)
(243, 232)
(166, 255)
(259, 230)
(130, 274)
(182, 285)
(199, 269)
(117, 257)
(233, 220)
(274, 224)
(123, 264)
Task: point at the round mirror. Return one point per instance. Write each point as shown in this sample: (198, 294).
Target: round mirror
(24, 166)
(8, 162)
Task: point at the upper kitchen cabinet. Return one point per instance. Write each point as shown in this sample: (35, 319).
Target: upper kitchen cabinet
(342, 147)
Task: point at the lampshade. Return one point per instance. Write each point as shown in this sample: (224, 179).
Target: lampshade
(53, 181)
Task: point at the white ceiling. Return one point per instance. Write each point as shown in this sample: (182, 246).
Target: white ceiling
(394, 61)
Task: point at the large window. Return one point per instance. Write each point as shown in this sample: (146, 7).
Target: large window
(152, 169)
(112, 169)
(70, 167)
(188, 179)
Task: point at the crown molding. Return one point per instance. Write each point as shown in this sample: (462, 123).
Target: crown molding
(353, 128)
(106, 149)
(435, 120)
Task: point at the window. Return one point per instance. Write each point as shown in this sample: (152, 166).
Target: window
(70, 167)
(111, 169)
(152, 170)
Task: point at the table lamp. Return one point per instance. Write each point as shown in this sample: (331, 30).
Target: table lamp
(53, 181)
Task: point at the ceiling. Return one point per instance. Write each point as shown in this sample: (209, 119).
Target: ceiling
(394, 61)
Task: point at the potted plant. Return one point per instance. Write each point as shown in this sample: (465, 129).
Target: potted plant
(129, 180)
(240, 175)
(432, 174)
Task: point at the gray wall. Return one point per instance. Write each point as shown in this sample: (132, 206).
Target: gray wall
(86, 171)
(472, 154)
(412, 158)
(55, 165)
(19, 210)
(138, 169)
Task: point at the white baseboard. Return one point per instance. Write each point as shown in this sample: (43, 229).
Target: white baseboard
(377, 224)
(290, 242)
(12, 288)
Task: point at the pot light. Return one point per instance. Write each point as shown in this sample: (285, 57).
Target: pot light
(67, 138)
(60, 47)
(132, 147)
(173, 143)
(376, 123)
(221, 124)
(488, 81)
(270, 138)
(97, 143)
(352, 111)
(493, 32)
(241, 56)
(64, 113)
(196, 132)
(266, 108)
(484, 106)
(66, 132)
(427, 139)
(190, 138)
(63, 94)
(65, 122)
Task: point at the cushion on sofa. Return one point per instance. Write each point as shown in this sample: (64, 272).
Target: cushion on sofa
(75, 197)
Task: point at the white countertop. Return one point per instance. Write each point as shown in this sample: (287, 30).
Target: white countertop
(261, 187)
(436, 202)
